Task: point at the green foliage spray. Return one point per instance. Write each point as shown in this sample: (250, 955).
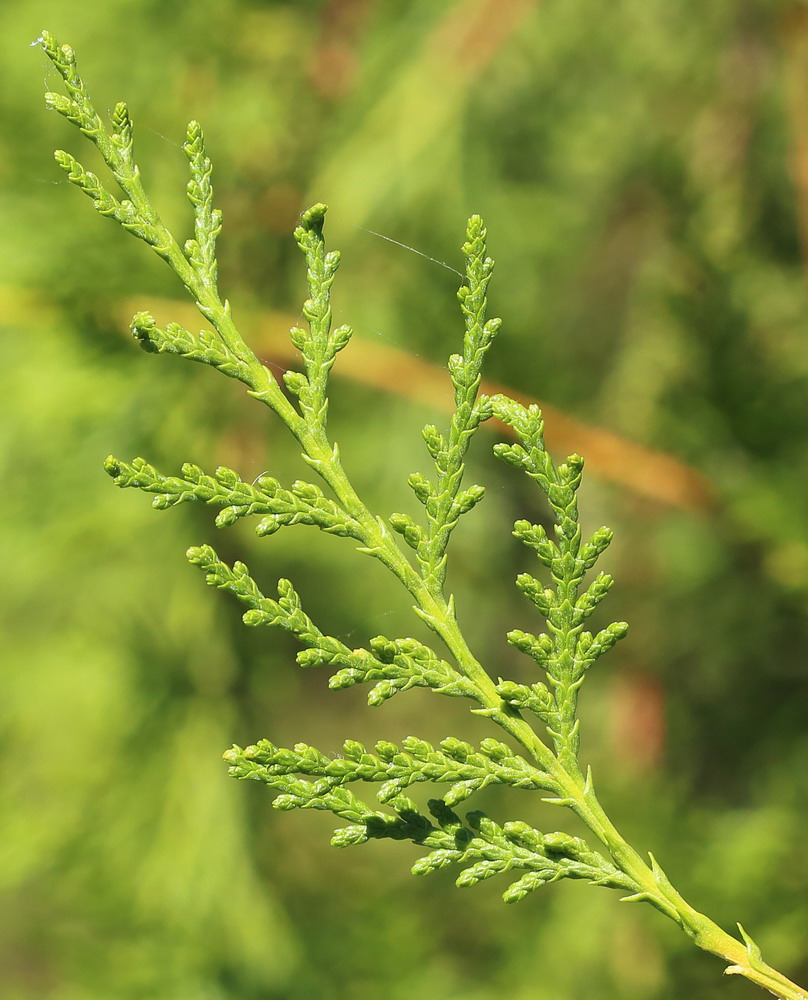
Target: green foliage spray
(540, 719)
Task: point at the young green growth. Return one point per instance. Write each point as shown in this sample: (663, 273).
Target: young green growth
(565, 594)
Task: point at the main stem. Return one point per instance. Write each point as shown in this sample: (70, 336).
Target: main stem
(576, 791)
(656, 888)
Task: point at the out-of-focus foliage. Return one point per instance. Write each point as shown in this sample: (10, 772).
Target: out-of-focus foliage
(641, 169)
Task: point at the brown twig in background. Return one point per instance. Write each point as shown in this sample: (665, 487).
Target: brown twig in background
(645, 471)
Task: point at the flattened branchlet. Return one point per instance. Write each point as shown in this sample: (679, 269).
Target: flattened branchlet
(366, 788)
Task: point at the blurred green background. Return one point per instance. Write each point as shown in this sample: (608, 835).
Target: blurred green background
(643, 170)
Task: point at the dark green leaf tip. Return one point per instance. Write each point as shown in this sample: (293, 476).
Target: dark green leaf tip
(143, 327)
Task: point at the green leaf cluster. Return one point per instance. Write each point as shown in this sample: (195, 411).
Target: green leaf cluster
(486, 847)
(566, 652)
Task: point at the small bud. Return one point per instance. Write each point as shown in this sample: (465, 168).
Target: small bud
(312, 219)
(60, 103)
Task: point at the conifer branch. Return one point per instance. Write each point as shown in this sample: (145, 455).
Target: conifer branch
(564, 653)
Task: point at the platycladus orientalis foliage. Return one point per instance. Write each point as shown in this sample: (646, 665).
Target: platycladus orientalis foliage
(540, 718)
